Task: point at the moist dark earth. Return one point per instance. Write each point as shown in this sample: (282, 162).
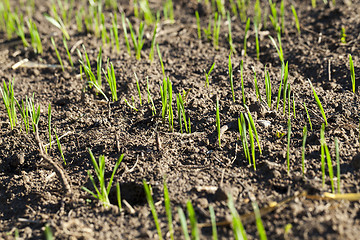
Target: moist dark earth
(193, 165)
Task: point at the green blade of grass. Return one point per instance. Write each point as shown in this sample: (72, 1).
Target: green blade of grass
(318, 103)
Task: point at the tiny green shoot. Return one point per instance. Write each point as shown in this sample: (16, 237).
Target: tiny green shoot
(297, 24)
(57, 54)
(242, 81)
(268, 87)
(59, 146)
(231, 77)
(153, 40)
(257, 91)
(198, 24)
(49, 124)
(138, 88)
(213, 222)
(259, 223)
(352, 72)
(183, 223)
(247, 27)
(111, 79)
(152, 208)
(207, 74)
(68, 52)
(308, 116)
(303, 150)
(193, 222)
(231, 44)
(218, 121)
(237, 225)
(9, 102)
(168, 210)
(125, 34)
(318, 103)
(288, 146)
(337, 164)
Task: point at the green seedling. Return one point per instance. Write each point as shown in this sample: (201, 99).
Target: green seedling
(151, 54)
(278, 49)
(104, 36)
(181, 113)
(146, 12)
(35, 37)
(313, 3)
(207, 31)
(257, 40)
(242, 81)
(297, 23)
(288, 146)
(220, 7)
(79, 20)
(49, 125)
(268, 88)
(233, 7)
(183, 223)
(125, 34)
(7, 93)
(293, 103)
(318, 103)
(242, 6)
(68, 52)
(161, 61)
(48, 233)
(118, 196)
(34, 113)
(303, 150)
(273, 17)
(343, 35)
(257, 10)
(21, 29)
(282, 16)
(289, 99)
(216, 30)
(57, 54)
(138, 41)
(352, 72)
(232, 48)
(169, 10)
(130, 106)
(252, 123)
(193, 222)
(252, 145)
(284, 77)
(168, 211)
(166, 100)
(325, 152)
(308, 116)
(213, 223)
(198, 24)
(59, 147)
(243, 137)
(231, 78)
(218, 121)
(238, 228)
(24, 113)
(337, 164)
(138, 88)
(111, 79)
(247, 27)
(115, 32)
(257, 91)
(98, 68)
(259, 224)
(207, 75)
(101, 193)
(59, 24)
(150, 100)
(152, 208)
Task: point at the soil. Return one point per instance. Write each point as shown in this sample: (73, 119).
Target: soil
(195, 168)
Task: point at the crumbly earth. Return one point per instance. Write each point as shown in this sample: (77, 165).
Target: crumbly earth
(193, 165)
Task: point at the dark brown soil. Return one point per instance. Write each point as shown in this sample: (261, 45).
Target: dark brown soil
(32, 196)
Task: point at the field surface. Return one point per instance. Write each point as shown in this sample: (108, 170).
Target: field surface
(210, 140)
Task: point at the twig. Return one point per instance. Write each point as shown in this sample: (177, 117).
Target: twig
(56, 167)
